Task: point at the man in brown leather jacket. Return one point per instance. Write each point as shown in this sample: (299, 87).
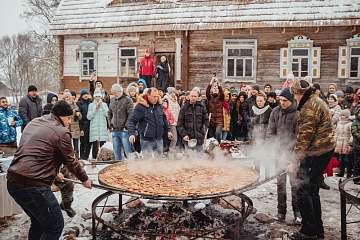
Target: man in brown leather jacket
(44, 146)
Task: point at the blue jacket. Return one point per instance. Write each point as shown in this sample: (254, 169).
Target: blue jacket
(7, 132)
(150, 119)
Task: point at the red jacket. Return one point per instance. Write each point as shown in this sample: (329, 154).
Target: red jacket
(146, 66)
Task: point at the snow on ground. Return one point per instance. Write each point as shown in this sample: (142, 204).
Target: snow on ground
(264, 199)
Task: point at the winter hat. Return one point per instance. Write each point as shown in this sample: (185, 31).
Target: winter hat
(83, 92)
(234, 91)
(308, 79)
(32, 88)
(348, 89)
(334, 97)
(97, 93)
(339, 93)
(287, 94)
(132, 88)
(62, 109)
(143, 82)
(50, 96)
(67, 94)
(290, 76)
(171, 90)
(299, 86)
(345, 113)
(277, 91)
(117, 88)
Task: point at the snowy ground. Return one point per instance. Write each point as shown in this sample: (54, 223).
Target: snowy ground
(263, 197)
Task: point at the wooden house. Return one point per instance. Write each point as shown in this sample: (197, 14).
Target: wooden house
(242, 41)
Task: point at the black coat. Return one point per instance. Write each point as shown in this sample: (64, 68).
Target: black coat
(29, 108)
(150, 120)
(162, 73)
(84, 123)
(192, 122)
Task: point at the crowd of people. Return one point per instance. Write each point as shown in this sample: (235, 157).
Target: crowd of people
(310, 124)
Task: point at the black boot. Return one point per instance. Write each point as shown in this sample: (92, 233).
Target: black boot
(66, 206)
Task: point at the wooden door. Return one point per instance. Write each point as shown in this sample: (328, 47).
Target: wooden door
(170, 56)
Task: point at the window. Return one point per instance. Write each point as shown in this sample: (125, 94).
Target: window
(127, 62)
(240, 59)
(301, 58)
(300, 62)
(88, 63)
(88, 58)
(355, 63)
(349, 59)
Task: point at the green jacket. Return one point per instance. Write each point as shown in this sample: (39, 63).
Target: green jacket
(315, 130)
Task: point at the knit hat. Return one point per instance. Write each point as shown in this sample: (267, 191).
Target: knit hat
(117, 88)
(32, 88)
(349, 89)
(299, 86)
(50, 96)
(339, 93)
(62, 109)
(308, 79)
(234, 91)
(83, 92)
(67, 94)
(97, 93)
(170, 90)
(132, 88)
(277, 91)
(287, 94)
(345, 113)
(334, 97)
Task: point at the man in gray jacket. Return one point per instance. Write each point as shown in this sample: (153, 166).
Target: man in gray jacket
(281, 130)
(120, 109)
(30, 106)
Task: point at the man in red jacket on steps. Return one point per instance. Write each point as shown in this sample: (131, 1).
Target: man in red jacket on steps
(147, 68)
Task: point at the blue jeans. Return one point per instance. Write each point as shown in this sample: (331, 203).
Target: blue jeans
(40, 204)
(150, 146)
(120, 141)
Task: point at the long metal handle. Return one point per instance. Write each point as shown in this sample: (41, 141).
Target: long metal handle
(94, 185)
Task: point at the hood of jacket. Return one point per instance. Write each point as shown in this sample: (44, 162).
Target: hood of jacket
(50, 96)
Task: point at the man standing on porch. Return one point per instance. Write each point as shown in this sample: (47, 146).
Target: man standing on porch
(147, 68)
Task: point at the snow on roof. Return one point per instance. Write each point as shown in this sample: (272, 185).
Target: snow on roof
(98, 16)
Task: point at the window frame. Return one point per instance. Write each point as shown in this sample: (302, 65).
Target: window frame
(291, 55)
(239, 44)
(349, 64)
(120, 57)
(88, 46)
(88, 63)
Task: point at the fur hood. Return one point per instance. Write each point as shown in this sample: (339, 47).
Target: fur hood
(142, 101)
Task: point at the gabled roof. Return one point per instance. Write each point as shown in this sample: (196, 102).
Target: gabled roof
(99, 16)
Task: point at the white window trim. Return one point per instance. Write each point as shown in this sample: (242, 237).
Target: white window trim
(349, 64)
(127, 60)
(88, 46)
(240, 44)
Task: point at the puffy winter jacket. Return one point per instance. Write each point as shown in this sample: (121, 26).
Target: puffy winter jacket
(315, 131)
(150, 119)
(98, 122)
(29, 108)
(7, 132)
(120, 110)
(146, 66)
(343, 137)
(192, 122)
(282, 123)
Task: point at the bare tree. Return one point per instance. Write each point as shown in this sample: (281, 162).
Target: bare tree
(41, 9)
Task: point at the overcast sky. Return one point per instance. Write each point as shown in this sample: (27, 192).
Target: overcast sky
(10, 20)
